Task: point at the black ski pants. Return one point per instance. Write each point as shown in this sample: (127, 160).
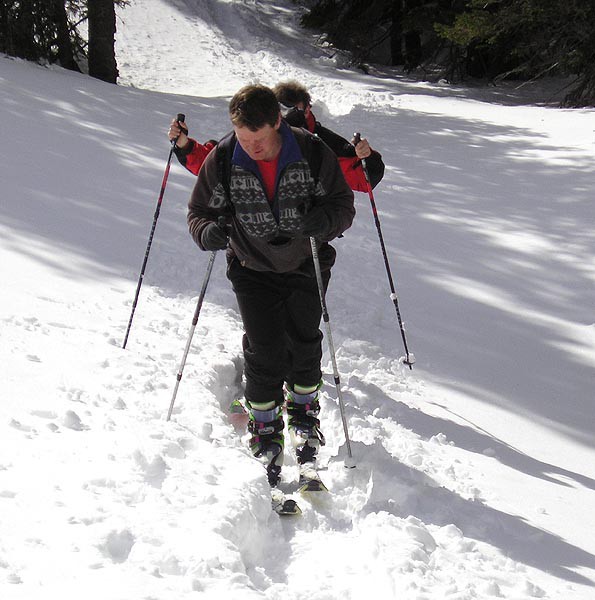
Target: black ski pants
(282, 342)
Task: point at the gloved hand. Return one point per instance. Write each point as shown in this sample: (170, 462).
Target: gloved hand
(179, 132)
(362, 146)
(316, 223)
(214, 237)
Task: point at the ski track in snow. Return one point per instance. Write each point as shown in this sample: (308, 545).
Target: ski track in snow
(181, 507)
(133, 506)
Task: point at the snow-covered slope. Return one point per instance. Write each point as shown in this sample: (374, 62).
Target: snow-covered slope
(474, 473)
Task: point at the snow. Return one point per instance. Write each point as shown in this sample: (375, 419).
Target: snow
(475, 471)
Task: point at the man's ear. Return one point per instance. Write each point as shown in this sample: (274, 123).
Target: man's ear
(278, 123)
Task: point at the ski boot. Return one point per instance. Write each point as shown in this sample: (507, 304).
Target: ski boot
(303, 409)
(267, 441)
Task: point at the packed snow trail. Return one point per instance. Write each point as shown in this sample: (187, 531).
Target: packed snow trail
(168, 509)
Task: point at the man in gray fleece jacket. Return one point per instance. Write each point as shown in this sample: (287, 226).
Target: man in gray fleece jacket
(275, 187)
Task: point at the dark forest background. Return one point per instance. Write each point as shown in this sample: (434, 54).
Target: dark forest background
(49, 31)
(456, 40)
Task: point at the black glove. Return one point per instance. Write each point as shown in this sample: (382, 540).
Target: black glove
(214, 237)
(316, 223)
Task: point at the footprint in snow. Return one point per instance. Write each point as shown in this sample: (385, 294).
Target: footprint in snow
(72, 421)
(119, 404)
(22, 427)
(174, 450)
(76, 395)
(155, 471)
(117, 545)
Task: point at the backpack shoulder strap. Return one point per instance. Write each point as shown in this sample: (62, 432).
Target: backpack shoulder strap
(315, 156)
(224, 155)
(311, 146)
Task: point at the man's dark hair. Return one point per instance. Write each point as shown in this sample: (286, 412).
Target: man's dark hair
(254, 106)
(289, 93)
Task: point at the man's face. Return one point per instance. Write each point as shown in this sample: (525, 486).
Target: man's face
(262, 144)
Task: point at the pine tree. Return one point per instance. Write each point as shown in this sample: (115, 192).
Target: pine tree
(46, 31)
(66, 45)
(487, 39)
(525, 39)
(102, 30)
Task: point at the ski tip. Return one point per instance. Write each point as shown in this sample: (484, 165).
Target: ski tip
(311, 482)
(312, 486)
(289, 508)
(284, 507)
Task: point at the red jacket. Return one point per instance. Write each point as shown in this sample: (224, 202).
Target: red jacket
(194, 154)
(353, 173)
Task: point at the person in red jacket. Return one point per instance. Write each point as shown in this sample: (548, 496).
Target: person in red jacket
(296, 105)
(190, 153)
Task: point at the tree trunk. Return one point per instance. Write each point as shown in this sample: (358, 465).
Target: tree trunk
(102, 30)
(21, 40)
(396, 33)
(413, 51)
(412, 38)
(65, 53)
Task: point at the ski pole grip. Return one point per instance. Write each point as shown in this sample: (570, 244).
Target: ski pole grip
(357, 138)
(180, 118)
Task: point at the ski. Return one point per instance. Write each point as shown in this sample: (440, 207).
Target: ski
(283, 506)
(309, 480)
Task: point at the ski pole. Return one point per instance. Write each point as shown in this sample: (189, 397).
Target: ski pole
(201, 297)
(349, 463)
(409, 359)
(182, 118)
